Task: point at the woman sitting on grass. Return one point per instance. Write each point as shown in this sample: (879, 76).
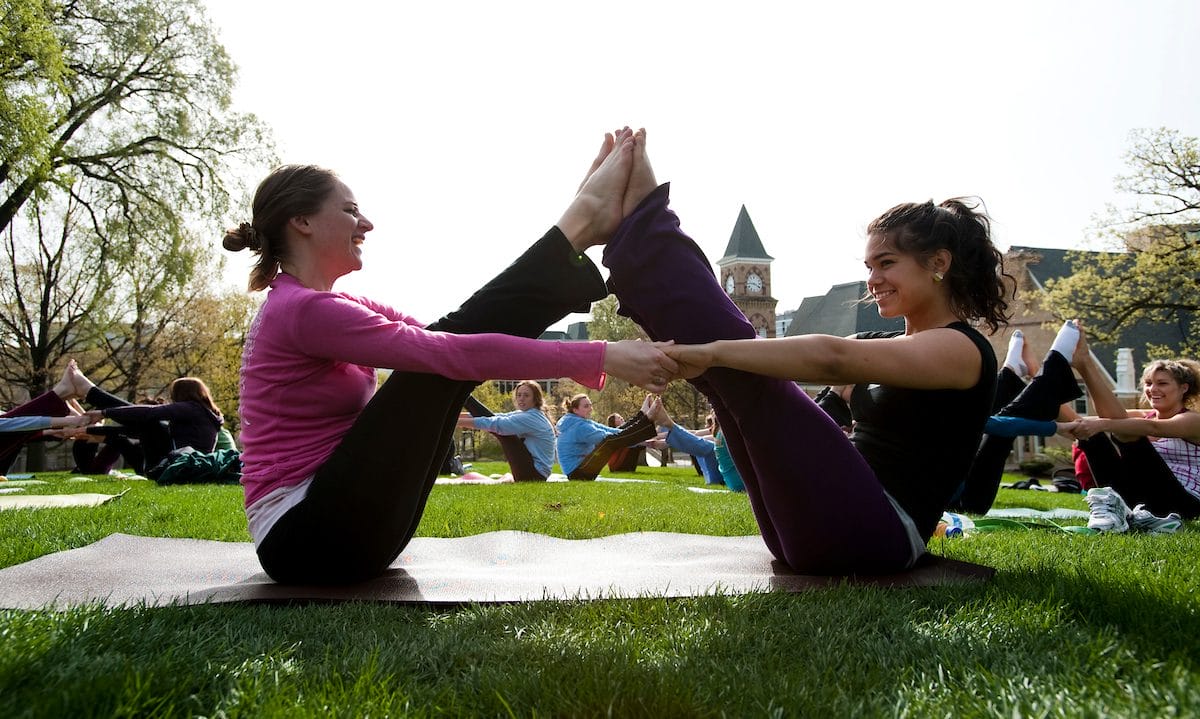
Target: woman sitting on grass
(190, 419)
(579, 435)
(529, 448)
(825, 502)
(1151, 460)
(336, 473)
(1145, 459)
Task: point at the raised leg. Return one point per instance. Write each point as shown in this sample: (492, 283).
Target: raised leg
(797, 463)
(48, 404)
(1138, 473)
(1040, 400)
(365, 502)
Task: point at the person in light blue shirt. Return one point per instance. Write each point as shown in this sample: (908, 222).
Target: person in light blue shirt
(700, 444)
(528, 422)
(729, 471)
(579, 433)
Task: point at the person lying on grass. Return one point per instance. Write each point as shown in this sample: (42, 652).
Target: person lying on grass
(824, 502)
(336, 473)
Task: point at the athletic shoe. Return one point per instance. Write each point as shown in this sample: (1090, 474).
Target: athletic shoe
(1142, 520)
(1109, 511)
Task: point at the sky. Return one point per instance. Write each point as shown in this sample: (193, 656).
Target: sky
(464, 128)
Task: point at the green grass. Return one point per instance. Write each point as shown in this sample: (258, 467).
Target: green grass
(1071, 626)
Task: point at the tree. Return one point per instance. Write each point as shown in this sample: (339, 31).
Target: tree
(1152, 273)
(119, 141)
(119, 137)
(143, 105)
(683, 401)
(49, 293)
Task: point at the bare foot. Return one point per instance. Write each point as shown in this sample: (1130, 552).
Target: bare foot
(610, 141)
(641, 178)
(65, 388)
(595, 212)
(78, 379)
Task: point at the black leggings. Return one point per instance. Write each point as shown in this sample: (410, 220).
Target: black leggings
(1138, 473)
(365, 502)
(1134, 469)
(1040, 400)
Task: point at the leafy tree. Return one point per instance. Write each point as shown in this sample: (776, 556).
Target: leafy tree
(685, 404)
(142, 106)
(118, 137)
(118, 141)
(1152, 273)
(50, 290)
(607, 325)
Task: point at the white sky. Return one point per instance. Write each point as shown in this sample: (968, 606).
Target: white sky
(464, 127)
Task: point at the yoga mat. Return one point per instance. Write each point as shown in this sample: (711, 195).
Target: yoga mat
(1028, 513)
(487, 480)
(494, 567)
(49, 501)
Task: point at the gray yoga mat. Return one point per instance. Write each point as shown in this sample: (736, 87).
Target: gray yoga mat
(494, 567)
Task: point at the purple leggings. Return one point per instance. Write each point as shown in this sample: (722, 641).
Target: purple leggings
(819, 506)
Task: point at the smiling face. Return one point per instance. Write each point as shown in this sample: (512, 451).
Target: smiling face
(583, 408)
(337, 231)
(899, 283)
(1164, 392)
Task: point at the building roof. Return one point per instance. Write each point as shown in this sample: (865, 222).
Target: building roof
(840, 312)
(577, 331)
(744, 242)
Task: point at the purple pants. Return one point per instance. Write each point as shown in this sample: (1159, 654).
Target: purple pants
(818, 504)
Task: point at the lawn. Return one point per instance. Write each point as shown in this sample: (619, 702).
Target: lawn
(1072, 625)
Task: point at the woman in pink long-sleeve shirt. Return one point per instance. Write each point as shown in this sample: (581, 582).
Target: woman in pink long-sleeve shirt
(336, 474)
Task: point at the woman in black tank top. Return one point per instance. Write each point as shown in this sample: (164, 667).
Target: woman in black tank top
(826, 502)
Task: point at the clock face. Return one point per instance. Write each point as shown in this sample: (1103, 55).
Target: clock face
(754, 283)
(729, 284)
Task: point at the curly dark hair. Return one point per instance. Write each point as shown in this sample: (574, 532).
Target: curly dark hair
(978, 285)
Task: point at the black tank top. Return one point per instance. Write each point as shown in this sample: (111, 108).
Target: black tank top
(921, 442)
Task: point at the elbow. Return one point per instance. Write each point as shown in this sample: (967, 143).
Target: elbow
(830, 364)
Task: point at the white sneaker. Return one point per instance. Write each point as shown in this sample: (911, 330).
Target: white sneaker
(1142, 520)
(1109, 511)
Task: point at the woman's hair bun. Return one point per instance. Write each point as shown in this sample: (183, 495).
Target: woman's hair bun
(244, 237)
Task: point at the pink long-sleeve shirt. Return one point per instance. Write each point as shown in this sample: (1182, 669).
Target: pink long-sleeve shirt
(308, 370)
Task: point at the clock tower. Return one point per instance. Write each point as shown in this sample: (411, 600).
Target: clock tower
(745, 273)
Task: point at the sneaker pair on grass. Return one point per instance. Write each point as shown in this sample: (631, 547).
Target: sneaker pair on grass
(1111, 514)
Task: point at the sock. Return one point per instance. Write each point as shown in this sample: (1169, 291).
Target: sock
(1065, 341)
(1013, 359)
